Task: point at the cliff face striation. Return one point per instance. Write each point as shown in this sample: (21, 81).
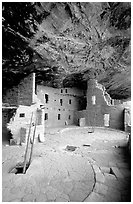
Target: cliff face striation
(66, 43)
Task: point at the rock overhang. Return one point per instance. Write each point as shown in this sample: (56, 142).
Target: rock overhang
(75, 39)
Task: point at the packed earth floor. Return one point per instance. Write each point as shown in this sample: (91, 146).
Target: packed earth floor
(73, 165)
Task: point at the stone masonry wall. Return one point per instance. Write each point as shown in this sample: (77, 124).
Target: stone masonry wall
(99, 108)
(11, 96)
(26, 90)
(22, 94)
(6, 115)
(95, 109)
(21, 121)
(127, 119)
(59, 105)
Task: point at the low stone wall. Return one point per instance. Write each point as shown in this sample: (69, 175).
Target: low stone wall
(127, 124)
(39, 134)
(116, 120)
(20, 122)
(127, 119)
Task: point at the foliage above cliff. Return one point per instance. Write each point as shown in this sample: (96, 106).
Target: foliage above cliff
(66, 43)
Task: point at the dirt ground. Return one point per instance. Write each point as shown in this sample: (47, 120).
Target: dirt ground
(72, 165)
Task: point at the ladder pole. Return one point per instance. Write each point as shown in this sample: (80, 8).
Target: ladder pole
(32, 143)
(26, 151)
(93, 122)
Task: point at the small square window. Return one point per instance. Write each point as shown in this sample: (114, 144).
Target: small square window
(22, 115)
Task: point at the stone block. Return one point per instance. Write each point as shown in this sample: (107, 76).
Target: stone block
(41, 137)
(82, 122)
(13, 142)
(117, 172)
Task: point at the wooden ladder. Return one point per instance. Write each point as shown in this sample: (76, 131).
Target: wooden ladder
(27, 145)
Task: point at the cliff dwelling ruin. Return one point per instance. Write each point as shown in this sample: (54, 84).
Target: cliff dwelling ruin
(66, 102)
(53, 107)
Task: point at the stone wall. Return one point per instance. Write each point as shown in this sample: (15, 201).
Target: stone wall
(20, 122)
(22, 94)
(100, 111)
(116, 117)
(127, 119)
(11, 96)
(96, 108)
(59, 104)
(26, 90)
(62, 106)
(6, 116)
(78, 115)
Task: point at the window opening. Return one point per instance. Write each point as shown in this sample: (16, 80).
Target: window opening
(82, 103)
(35, 88)
(61, 102)
(106, 120)
(66, 90)
(69, 117)
(93, 100)
(22, 115)
(112, 102)
(70, 101)
(46, 116)
(59, 117)
(46, 98)
(61, 91)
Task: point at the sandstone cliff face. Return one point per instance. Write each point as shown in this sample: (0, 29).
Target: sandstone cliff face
(74, 41)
